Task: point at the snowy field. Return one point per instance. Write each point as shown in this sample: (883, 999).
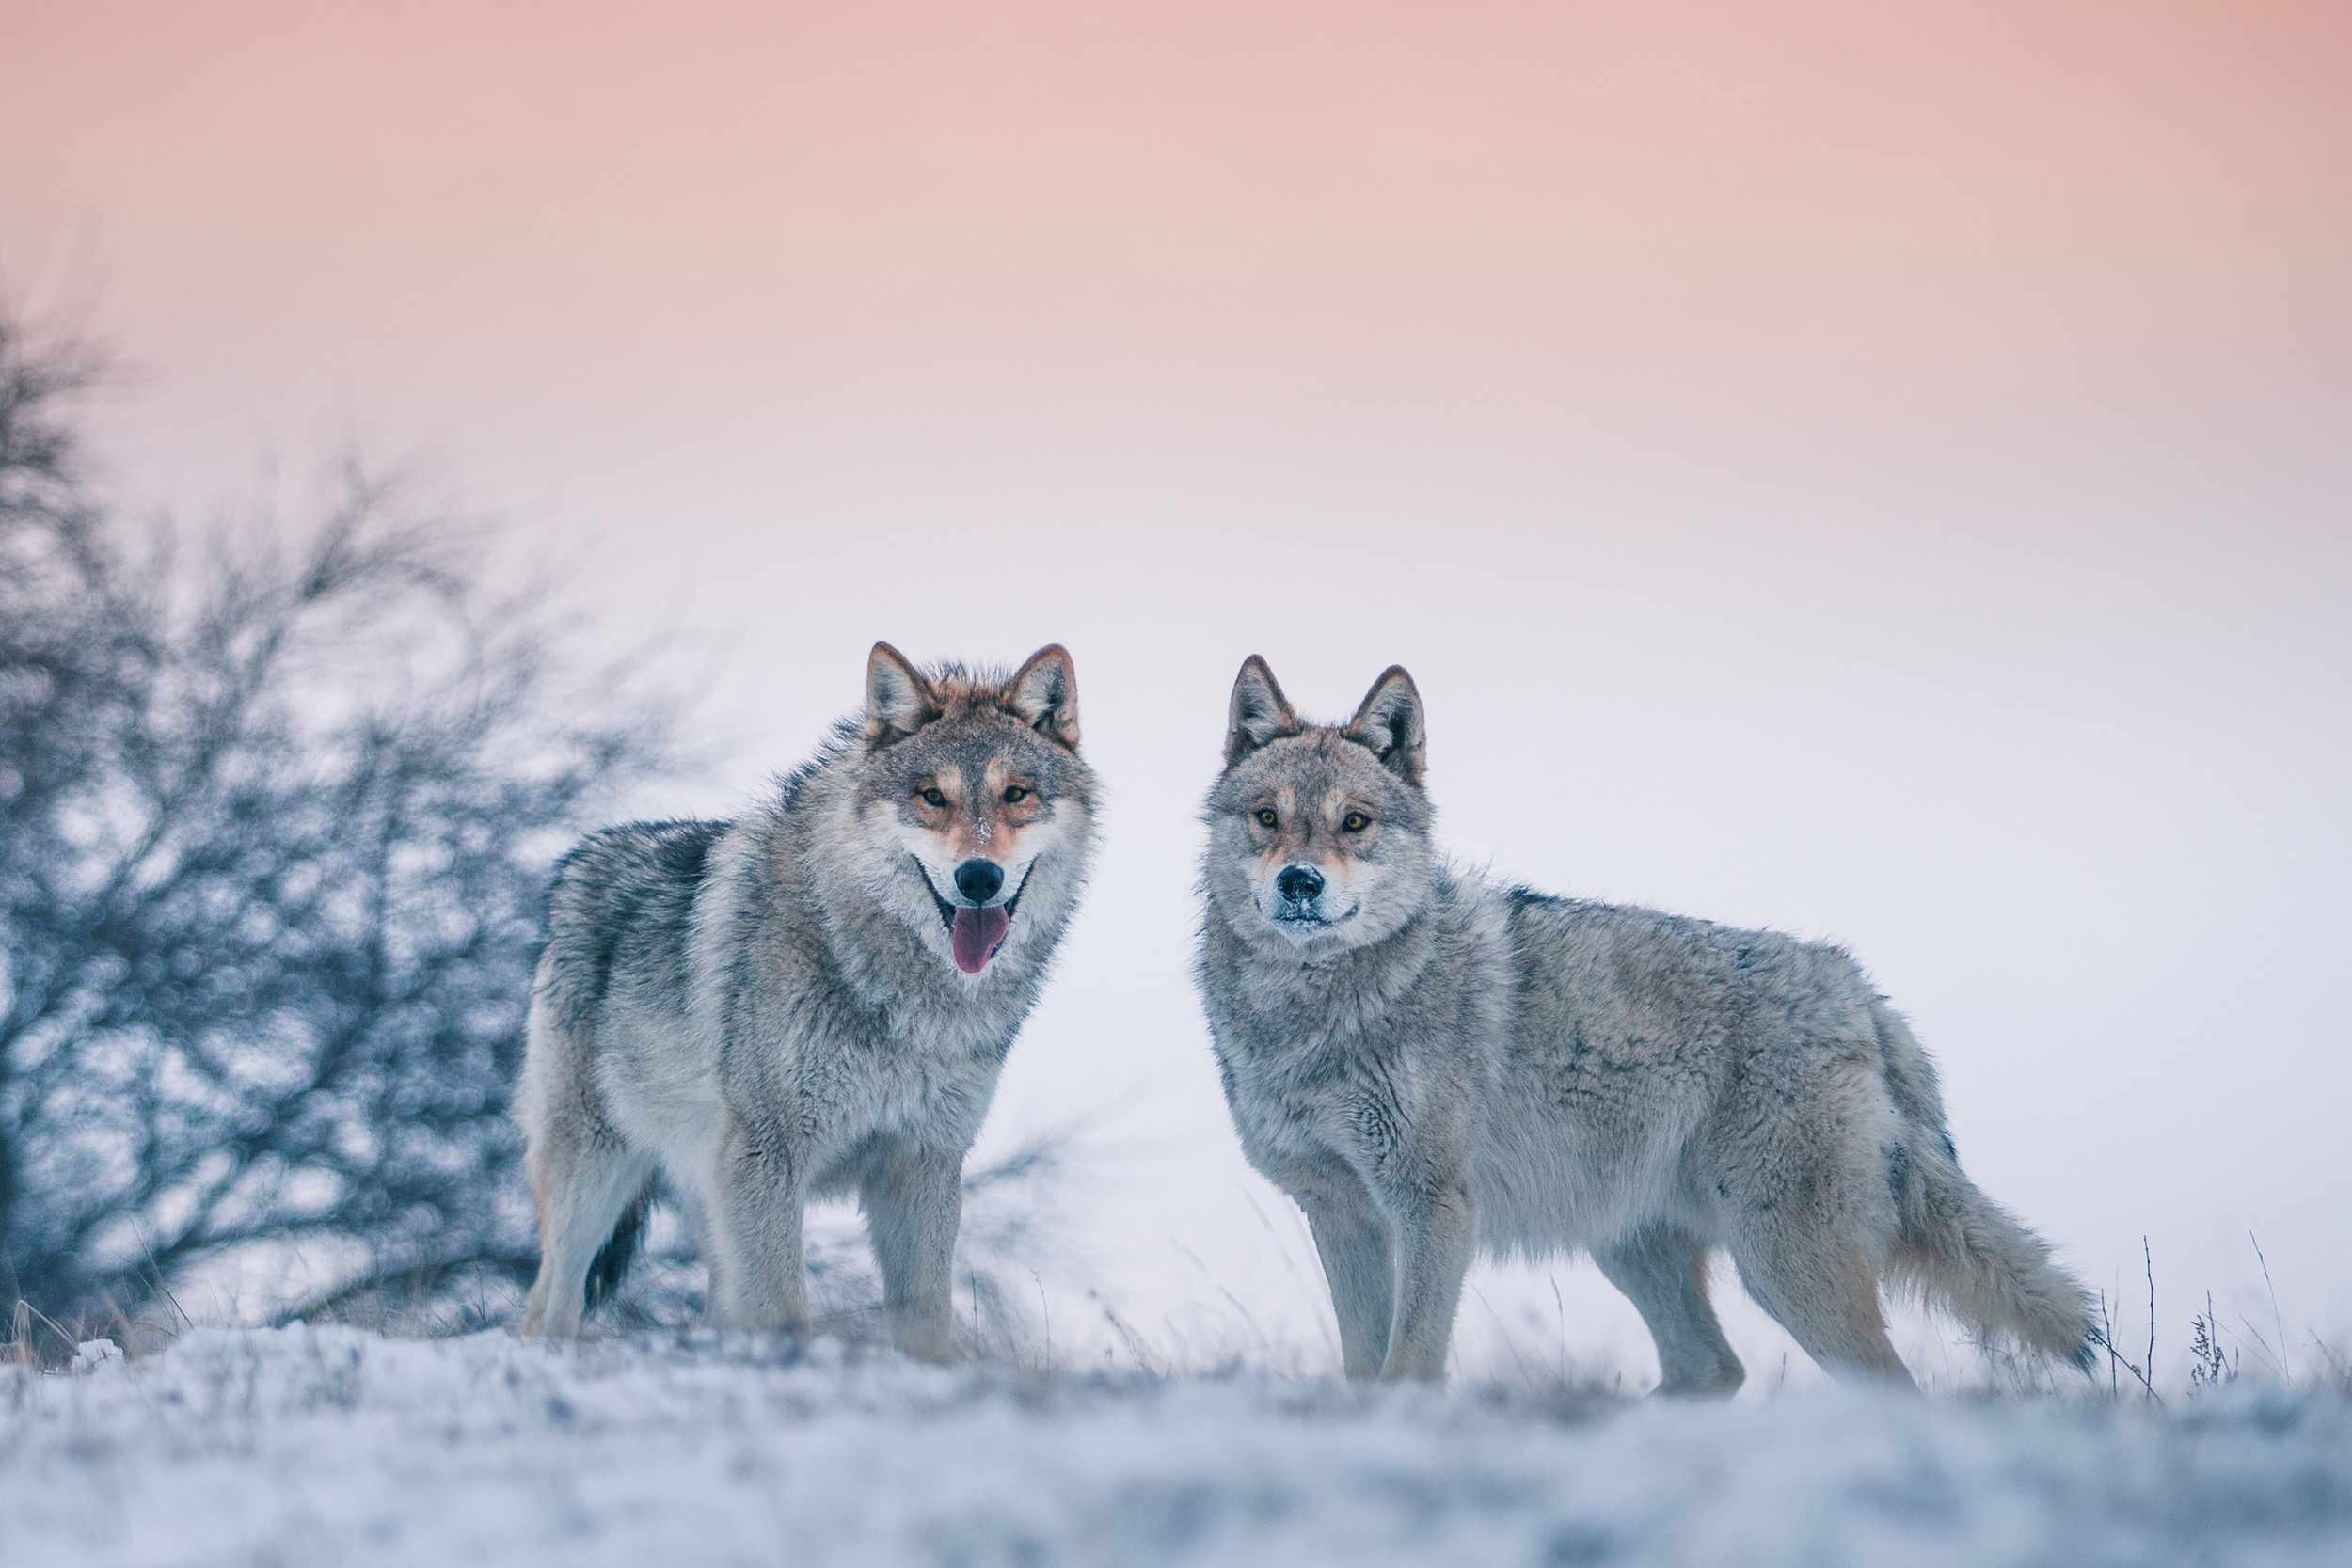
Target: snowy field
(320, 1447)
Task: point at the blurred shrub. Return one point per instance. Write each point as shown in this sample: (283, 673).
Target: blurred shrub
(276, 811)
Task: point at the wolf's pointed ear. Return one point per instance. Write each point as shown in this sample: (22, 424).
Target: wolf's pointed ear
(898, 701)
(1044, 695)
(1390, 723)
(1259, 711)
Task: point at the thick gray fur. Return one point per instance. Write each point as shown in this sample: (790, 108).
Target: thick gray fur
(1431, 1065)
(768, 1011)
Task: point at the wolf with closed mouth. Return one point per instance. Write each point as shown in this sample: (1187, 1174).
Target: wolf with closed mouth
(1431, 1065)
(815, 998)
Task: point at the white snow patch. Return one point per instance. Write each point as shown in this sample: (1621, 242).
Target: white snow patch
(324, 1447)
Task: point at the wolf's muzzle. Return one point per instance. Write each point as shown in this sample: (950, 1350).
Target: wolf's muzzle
(1298, 884)
(976, 929)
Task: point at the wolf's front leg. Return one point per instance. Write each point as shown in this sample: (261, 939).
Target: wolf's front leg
(1434, 1236)
(1351, 1239)
(914, 1201)
(758, 1280)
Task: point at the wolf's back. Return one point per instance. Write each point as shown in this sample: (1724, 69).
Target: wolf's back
(623, 896)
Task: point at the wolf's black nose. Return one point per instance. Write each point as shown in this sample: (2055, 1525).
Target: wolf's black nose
(979, 880)
(1300, 884)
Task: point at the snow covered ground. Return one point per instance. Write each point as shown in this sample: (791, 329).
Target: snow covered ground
(321, 1447)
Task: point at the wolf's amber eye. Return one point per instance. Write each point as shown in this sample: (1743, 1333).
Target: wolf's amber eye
(1014, 795)
(931, 796)
(1355, 822)
(1267, 817)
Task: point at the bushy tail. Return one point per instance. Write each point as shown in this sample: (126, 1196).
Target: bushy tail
(620, 1248)
(1957, 1245)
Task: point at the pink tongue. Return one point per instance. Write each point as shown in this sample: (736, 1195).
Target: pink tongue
(975, 935)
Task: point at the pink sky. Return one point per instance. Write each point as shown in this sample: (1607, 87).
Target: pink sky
(1191, 218)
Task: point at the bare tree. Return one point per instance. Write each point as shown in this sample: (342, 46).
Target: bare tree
(275, 819)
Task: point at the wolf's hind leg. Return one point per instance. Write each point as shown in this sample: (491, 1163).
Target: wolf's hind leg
(583, 1181)
(757, 1279)
(1662, 1271)
(1826, 1295)
(913, 1202)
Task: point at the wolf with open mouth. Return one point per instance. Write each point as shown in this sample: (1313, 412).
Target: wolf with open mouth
(813, 999)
